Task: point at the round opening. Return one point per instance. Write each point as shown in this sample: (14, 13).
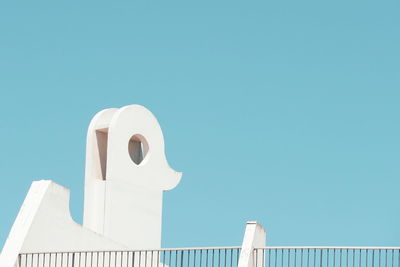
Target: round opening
(138, 148)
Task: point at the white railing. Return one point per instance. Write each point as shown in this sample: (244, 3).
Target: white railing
(252, 253)
(183, 257)
(326, 257)
(310, 256)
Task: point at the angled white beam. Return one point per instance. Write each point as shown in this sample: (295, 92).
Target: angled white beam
(44, 224)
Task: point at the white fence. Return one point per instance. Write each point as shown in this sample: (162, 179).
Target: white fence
(220, 257)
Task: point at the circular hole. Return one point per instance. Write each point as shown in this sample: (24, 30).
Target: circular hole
(138, 148)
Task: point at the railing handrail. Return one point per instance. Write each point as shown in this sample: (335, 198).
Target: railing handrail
(216, 248)
(329, 247)
(135, 250)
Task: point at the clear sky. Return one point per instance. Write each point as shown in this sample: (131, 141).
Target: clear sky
(285, 112)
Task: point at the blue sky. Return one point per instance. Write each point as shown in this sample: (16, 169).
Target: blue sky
(285, 112)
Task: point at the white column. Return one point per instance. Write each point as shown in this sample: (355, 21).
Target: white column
(254, 237)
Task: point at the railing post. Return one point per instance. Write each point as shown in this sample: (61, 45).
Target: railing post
(254, 237)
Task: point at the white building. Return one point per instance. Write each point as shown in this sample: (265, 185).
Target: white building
(126, 170)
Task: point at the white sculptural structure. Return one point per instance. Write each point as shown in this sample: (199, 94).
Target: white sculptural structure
(126, 174)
